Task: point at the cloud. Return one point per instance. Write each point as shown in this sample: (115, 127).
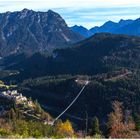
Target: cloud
(90, 17)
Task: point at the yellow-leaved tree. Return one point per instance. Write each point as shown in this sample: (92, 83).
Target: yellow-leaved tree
(65, 129)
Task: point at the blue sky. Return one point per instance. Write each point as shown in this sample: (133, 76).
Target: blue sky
(88, 13)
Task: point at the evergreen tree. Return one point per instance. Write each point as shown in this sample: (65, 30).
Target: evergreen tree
(38, 107)
(137, 123)
(12, 114)
(96, 126)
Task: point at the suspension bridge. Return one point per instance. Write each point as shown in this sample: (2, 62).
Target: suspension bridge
(74, 100)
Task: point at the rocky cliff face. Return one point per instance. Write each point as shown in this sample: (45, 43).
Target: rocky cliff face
(30, 31)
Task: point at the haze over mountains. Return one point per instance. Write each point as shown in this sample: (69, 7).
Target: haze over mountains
(128, 27)
(30, 31)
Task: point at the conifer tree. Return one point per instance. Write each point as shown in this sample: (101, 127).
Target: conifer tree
(137, 122)
(96, 126)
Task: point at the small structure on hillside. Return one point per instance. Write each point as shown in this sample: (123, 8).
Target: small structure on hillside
(81, 81)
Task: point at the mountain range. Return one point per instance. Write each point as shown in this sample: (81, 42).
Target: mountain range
(128, 27)
(29, 31)
(110, 61)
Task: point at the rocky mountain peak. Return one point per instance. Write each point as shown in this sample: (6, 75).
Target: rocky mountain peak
(31, 31)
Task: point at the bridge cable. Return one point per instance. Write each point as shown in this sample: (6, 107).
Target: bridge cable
(87, 82)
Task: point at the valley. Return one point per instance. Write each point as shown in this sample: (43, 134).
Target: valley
(58, 83)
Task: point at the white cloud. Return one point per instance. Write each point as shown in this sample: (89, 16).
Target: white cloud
(66, 3)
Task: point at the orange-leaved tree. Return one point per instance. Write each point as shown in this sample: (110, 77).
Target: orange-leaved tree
(117, 125)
